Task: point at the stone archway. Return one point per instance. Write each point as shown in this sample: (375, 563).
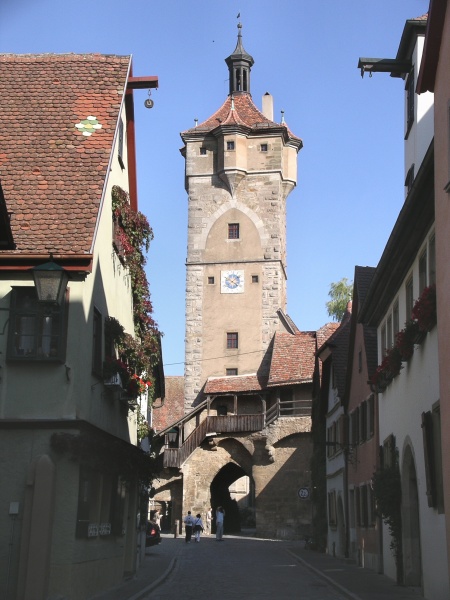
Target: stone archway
(412, 558)
(220, 495)
(208, 473)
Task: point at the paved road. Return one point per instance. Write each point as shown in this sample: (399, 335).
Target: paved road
(238, 569)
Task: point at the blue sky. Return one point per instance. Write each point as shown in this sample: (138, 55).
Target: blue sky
(350, 171)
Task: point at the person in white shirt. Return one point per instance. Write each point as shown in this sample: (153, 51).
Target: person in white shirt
(208, 521)
(188, 526)
(198, 527)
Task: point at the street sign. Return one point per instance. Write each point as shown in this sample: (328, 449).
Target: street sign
(303, 493)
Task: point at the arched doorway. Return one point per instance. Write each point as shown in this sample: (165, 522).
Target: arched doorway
(221, 496)
(412, 558)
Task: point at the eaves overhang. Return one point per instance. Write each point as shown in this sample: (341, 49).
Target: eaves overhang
(74, 263)
(401, 65)
(397, 68)
(414, 220)
(290, 382)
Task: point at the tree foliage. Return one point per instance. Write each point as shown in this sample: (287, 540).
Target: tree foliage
(340, 294)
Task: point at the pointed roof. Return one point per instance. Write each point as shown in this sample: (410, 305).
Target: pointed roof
(58, 121)
(362, 280)
(239, 53)
(338, 344)
(239, 112)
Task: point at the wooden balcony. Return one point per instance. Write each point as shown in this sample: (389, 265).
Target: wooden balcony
(176, 454)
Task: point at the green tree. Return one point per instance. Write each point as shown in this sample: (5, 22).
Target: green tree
(340, 294)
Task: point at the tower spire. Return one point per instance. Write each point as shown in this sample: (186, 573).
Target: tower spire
(239, 66)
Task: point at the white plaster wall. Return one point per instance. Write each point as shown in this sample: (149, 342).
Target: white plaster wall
(422, 130)
(413, 391)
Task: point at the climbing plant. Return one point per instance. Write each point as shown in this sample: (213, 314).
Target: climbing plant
(387, 490)
(138, 354)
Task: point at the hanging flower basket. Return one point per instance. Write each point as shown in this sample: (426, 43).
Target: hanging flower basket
(424, 310)
(388, 369)
(393, 360)
(406, 338)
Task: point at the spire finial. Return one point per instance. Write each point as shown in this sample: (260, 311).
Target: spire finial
(239, 65)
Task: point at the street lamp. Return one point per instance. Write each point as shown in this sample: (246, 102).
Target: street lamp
(172, 435)
(50, 280)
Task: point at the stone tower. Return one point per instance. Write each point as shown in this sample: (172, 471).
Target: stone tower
(240, 168)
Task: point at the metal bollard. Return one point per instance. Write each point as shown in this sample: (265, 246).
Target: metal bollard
(177, 525)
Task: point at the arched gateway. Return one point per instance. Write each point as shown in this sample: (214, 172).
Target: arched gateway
(248, 383)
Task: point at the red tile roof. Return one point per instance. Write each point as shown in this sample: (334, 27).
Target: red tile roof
(239, 383)
(325, 332)
(292, 358)
(52, 171)
(172, 409)
(239, 110)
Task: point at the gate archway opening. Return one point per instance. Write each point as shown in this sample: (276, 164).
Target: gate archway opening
(237, 500)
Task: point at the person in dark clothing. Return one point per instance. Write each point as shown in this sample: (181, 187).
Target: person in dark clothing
(188, 525)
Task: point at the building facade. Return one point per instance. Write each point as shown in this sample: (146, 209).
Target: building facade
(401, 303)
(434, 77)
(68, 430)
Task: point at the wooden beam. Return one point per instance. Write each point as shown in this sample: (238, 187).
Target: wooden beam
(142, 83)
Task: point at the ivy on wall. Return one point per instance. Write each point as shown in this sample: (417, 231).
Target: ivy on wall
(387, 490)
(138, 355)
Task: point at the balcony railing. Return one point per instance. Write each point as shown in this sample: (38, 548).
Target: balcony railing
(175, 456)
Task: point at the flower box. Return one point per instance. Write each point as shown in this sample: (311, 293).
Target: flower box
(114, 382)
(424, 310)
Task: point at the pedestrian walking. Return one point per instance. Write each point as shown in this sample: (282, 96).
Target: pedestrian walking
(220, 515)
(208, 521)
(198, 527)
(188, 526)
(157, 518)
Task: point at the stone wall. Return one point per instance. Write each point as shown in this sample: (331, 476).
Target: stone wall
(277, 462)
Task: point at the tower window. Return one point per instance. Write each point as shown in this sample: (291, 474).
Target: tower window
(203, 151)
(264, 148)
(230, 145)
(231, 372)
(255, 278)
(210, 280)
(233, 231)
(232, 340)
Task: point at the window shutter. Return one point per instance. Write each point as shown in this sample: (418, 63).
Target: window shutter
(430, 466)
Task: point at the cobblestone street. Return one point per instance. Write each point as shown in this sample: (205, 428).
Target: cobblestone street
(240, 568)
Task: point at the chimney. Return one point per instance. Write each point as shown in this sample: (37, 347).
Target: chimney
(267, 106)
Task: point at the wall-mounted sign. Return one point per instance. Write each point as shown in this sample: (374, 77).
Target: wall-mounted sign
(303, 493)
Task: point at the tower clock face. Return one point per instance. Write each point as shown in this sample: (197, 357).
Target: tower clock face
(232, 282)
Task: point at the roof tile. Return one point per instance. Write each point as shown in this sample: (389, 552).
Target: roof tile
(52, 175)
